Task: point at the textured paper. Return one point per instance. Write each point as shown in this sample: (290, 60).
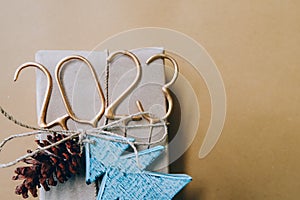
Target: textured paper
(81, 93)
(148, 91)
(75, 188)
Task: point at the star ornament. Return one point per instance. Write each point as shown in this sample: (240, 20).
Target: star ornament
(141, 186)
(122, 178)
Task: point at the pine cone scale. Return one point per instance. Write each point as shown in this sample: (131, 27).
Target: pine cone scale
(61, 161)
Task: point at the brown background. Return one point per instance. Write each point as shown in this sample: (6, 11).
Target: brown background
(254, 43)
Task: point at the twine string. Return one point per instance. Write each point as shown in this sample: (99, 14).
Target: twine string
(101, 132)
(38, 150)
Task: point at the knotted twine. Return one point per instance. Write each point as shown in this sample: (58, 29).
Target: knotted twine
(100, 132)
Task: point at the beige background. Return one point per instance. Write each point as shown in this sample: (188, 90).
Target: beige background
(255, 44)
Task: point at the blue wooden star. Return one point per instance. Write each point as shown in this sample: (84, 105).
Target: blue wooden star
(123, 179)
(140, 186)
(104, 153)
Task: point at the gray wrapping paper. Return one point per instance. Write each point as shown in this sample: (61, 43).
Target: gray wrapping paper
(85, 102)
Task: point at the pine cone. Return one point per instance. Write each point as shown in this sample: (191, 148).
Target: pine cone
(63, 161)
